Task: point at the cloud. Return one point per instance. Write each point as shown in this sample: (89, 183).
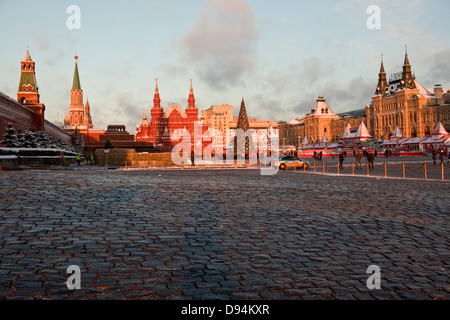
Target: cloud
(438, 67)
(43, 42)
(220, 46)
(171, 70)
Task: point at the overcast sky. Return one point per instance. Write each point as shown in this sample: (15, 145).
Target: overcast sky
(278, 55)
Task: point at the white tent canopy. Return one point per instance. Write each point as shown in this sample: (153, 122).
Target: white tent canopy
(439, 135)
(397, 134)
(347, 134)
(362, 132)
(439, 130)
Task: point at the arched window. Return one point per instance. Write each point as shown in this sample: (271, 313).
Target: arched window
(324, 129)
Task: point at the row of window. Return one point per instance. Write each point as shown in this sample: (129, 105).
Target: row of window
(397, 119)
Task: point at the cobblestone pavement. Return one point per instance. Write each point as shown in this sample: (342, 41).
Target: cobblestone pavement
(221, 234)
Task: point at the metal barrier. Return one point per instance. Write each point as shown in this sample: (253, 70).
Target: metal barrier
(405, 167)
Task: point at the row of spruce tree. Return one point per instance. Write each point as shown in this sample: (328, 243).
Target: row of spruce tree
(39, 139)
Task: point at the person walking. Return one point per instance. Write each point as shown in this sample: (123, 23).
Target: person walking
(433, 154)
(370, 159)
(78, 159)
(441, 155)
(341, 160)
(192, 158)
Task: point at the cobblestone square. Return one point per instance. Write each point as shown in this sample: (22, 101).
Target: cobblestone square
(221, 234)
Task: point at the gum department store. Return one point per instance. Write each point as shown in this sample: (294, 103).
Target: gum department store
(401, 102)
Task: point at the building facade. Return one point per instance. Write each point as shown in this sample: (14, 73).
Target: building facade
(220, 119)
(402, 101)
(161, 129)
(405, 103)
(319, 123)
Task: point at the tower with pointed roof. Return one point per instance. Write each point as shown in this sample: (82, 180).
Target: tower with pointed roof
(157, 113)
(191, 110)
(87, 112)
(408, 79)
(382, 80)
(28, 94)
(76, 109)
(28, 90)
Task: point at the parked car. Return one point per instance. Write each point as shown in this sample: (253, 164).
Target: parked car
(292, 161)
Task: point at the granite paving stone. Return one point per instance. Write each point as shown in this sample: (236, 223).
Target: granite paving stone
(222, 234)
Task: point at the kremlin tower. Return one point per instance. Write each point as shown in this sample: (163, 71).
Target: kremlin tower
(28, 94)
(79, 115)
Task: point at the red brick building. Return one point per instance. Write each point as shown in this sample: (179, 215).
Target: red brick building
(160, 130)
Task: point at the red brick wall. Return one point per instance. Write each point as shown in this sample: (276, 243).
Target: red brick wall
(23, 118)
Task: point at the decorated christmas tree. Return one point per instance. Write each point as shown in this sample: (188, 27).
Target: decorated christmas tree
(242, 124)
(10, 139)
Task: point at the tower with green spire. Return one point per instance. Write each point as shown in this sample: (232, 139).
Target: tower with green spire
(76, 77)
(77, 116)
(28, 93)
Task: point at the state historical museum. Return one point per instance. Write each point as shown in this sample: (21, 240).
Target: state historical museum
(161, 128)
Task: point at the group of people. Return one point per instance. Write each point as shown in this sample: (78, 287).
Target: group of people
(318, 155)
(441, 153)
(89, 160)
